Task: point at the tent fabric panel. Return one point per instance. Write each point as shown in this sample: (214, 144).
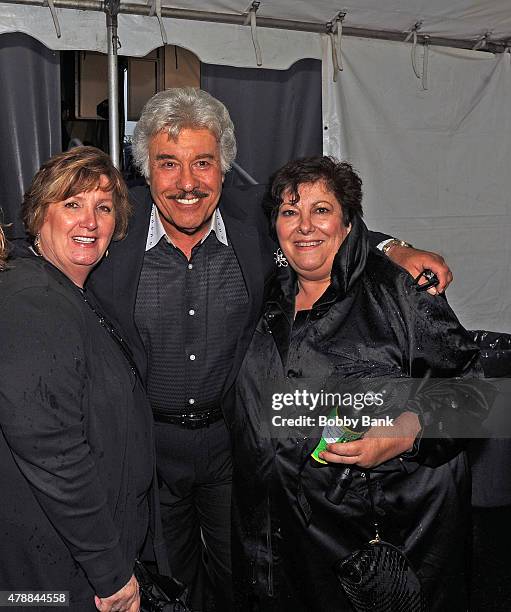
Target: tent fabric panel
(229, 44)
(218, 43)
(456, 18)
(214, 43)
(81, 30)
(435, 163)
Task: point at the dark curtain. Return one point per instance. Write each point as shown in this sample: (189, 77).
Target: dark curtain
(490, 461)
(30, 130)
(276, 113)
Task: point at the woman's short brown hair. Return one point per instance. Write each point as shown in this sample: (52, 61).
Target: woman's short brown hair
(69, 173)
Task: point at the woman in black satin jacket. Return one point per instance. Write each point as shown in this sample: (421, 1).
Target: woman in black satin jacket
(342, 312)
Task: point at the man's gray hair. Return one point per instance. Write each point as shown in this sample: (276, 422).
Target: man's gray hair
(183, 107)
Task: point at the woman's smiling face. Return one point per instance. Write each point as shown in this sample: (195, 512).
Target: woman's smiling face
(311, 230)
(76, 232)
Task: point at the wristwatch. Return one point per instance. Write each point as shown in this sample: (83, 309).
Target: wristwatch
(395, 242)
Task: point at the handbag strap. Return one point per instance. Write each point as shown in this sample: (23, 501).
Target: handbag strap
(114, 334)
(374, 516)
(159, 547)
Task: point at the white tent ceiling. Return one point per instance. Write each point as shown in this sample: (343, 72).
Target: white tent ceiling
(287, 30)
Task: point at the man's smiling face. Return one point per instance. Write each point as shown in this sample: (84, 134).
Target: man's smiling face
(185, 178)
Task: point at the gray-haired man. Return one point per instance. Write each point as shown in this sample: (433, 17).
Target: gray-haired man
(186, 286)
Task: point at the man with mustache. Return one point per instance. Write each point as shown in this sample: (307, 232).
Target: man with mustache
(187, 287)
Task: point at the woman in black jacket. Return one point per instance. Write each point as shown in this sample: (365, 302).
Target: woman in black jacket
(340, 313)
(76, 458)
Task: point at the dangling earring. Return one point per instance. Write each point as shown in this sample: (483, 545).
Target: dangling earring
(37, 244)
(280, 259)
(106, 254)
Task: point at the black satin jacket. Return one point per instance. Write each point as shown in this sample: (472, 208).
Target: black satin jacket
(370, 323)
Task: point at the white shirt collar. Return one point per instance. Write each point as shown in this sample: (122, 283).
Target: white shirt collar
(157, 231)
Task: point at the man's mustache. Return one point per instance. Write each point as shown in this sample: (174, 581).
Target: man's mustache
(183, 195)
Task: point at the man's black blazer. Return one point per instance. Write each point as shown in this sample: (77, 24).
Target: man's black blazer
(115, 281)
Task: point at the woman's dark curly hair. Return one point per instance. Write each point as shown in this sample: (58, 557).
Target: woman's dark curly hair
(339, 178)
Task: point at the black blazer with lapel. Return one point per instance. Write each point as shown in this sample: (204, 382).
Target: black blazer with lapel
(115, 280)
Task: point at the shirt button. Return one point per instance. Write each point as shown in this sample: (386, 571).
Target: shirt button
(191, 312)
(191, 401)
(192, 357)
(190, 266)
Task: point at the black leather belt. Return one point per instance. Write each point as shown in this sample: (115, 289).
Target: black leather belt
(189, 421)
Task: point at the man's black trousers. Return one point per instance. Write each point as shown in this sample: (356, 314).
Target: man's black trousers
(195, 469)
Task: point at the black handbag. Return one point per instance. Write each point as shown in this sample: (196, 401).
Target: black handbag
(379, 577)
(159, 593)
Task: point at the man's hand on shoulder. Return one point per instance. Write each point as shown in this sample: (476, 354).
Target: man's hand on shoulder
(416, 261)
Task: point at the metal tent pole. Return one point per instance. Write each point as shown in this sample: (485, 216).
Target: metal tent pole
(130, 8)
(244, 174)
(111, 10)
